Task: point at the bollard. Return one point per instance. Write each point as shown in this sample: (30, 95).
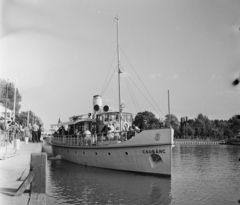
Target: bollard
(16, 143)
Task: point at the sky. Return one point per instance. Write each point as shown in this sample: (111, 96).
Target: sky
(63, 52)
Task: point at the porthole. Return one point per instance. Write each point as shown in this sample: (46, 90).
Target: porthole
(126, 153)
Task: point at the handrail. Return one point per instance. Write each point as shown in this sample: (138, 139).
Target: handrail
(100, 139)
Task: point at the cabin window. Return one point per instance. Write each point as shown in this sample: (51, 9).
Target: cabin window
(129, 118)
(106, 118)
(124, 118)
(117, 118)
(113, 118)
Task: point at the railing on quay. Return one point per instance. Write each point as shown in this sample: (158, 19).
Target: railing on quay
(4, 138)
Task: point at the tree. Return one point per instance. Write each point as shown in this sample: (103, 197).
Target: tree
(22, 117)
(10, 98)
(190, 131)
(197, 131)
(172, 120)
(228, 133)
(146, 115)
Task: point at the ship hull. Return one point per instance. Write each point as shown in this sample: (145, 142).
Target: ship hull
(135, 159)
(150, 158)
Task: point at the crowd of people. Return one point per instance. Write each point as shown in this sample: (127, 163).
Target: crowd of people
(110, 131)
(74, 132)
(21, 131)
(113, 132)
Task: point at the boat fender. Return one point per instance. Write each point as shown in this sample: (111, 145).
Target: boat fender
(55, 158)
(125, 125)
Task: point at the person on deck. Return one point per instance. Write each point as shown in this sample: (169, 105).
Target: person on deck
(130, 133)
(87, 135)
(110, 131)
(136, 128)
(144, 125)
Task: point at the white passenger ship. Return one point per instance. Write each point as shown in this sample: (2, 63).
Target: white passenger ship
(149, 151)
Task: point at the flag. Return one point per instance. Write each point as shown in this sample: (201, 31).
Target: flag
(59, 121)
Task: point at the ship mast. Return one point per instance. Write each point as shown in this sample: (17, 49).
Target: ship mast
(119, 82)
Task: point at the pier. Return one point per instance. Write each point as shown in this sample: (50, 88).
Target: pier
(196, 142)
(18, 168)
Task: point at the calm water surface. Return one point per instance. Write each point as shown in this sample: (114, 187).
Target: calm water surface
(202, 174)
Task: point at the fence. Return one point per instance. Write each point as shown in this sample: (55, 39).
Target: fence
(4, 139)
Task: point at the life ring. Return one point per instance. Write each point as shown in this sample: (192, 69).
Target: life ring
(125, 126)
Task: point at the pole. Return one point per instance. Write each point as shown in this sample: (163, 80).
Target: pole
(168, 103)
(119, 83)
(14, 104)
(5, 118)
(6, 103)
(28, 114)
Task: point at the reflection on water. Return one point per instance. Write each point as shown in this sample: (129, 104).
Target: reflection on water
(206, 174)
(73, 184)
(202, 174)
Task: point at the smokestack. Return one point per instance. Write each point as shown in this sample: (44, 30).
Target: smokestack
(97, 104)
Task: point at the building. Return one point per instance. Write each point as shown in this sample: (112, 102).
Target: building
(9, 113)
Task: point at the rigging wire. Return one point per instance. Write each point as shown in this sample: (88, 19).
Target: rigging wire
(144, 96)
(142, 82)
(108, 72)
(109, 82)
(132, 94)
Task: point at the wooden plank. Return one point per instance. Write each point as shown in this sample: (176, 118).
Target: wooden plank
(25, 184)
(39, 164)
(37, 199)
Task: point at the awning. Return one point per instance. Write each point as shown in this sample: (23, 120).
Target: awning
(64, 123)
(85, 120)
(74, 122)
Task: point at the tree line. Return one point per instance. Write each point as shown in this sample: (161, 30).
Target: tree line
(7, 92)
(200, 127)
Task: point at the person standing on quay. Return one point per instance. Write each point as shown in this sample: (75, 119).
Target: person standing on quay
(27, 132)
(35, 132)
(39, 133)
(21, 131)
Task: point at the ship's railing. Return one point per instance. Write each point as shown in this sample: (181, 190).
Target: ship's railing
(90, 140)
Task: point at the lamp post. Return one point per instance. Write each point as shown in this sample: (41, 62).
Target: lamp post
(6, 104)
(28, 114)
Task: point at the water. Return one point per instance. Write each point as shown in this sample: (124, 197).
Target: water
(202, 174)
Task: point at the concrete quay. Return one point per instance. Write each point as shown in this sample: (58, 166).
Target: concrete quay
(14, 169)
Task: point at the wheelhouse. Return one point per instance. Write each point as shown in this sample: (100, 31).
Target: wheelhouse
(112, 119)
